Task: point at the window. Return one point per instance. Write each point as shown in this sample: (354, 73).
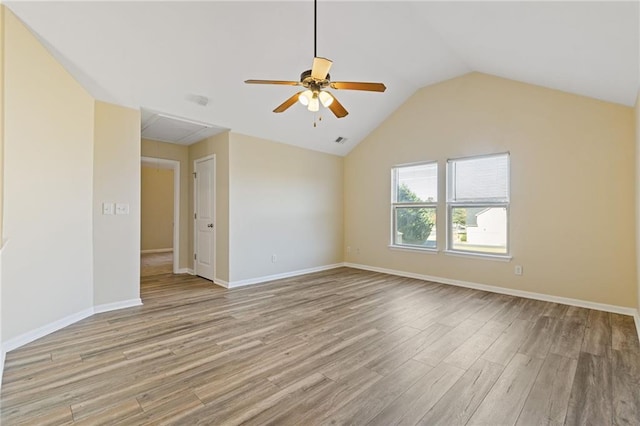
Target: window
(478, 205)
(413, 200)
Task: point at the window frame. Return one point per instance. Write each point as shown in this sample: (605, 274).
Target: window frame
(425, 204)
(479, 203)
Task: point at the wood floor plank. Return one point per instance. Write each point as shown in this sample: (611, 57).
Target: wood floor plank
(48, 417)
(510, 311)
(505, 400)
(117, 413)
(623, 336)
(469, 352)
(309, 392)
(569, 335)
(590, 401)
(412, 405)
(578, 313)
(366, 406)
(407, 350)
(329, 400)
(555, 310)
(625, 387)
(376, 350)
(548, 400)
(460, 402)
(541, 338)
(196, 353)
(505, 346)
(338, 351)
(225, 406)
(495, 304)
(597, 335)
(434, 353)
(271, 400)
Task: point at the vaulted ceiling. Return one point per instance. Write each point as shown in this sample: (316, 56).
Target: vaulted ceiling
(169, 56)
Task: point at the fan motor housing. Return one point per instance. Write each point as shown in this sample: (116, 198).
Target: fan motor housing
(313, 83)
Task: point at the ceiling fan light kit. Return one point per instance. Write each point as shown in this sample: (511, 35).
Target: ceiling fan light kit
(316, 81)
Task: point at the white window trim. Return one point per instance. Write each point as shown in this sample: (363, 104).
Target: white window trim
(489, 203)
(477, 255)
(407, 247)
(394, 205)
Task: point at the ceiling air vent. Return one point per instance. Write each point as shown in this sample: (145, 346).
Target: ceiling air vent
(341, 140)
(167, 128)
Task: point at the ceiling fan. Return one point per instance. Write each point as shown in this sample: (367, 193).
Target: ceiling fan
(316, 81)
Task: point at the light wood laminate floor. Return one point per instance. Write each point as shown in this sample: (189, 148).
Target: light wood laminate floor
(338, 347)
(156, 263)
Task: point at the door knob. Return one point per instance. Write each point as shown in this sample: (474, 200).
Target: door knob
(210, 225)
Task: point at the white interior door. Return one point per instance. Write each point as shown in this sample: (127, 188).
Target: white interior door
(204, 217)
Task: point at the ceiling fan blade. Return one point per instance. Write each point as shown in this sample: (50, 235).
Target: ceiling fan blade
(286, 83)
(357, 85)
(287, 104)
(337, 109)
(320, 68)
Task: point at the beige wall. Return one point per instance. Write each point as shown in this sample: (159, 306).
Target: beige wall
(218, 145)
(156, 198)
(116, 238)
(271, 198)
(1, 122)
(48, 158)
(1, 173)
(286, 201)
(169, 151)
(572, 186)
(637, 183)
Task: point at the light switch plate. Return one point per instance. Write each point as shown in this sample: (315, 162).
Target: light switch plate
(107, 208)
(122, 208)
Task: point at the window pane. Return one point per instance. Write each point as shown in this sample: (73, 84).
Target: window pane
(415, 184)
(482, 178)
(415, 226)
(479, 229)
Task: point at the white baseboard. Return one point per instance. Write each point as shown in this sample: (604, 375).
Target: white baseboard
(503, 290)
(258, 280)
(221, 283)
(117, 305)
(185, 271)
(32, 335)
(636, 317)
(162, 250)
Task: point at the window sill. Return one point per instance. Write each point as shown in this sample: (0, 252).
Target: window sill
(414, 249)
(498, 257)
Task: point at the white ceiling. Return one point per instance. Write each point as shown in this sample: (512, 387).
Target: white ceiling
(163, 55)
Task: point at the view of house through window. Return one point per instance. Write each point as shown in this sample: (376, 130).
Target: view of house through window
(414, 200)
(478, 204)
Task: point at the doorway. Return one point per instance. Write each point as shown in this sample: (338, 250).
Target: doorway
(174, 227)
(204, 217)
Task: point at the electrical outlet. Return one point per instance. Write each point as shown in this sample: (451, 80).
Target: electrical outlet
(122, 208)
(358, 250)
(107, 208)
(274, 258)
(348, 249)
(518, 270)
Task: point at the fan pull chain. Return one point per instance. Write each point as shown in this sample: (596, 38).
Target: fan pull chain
(316, 118)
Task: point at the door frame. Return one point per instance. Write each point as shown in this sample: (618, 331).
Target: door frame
(175, 165)
(195, 208)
